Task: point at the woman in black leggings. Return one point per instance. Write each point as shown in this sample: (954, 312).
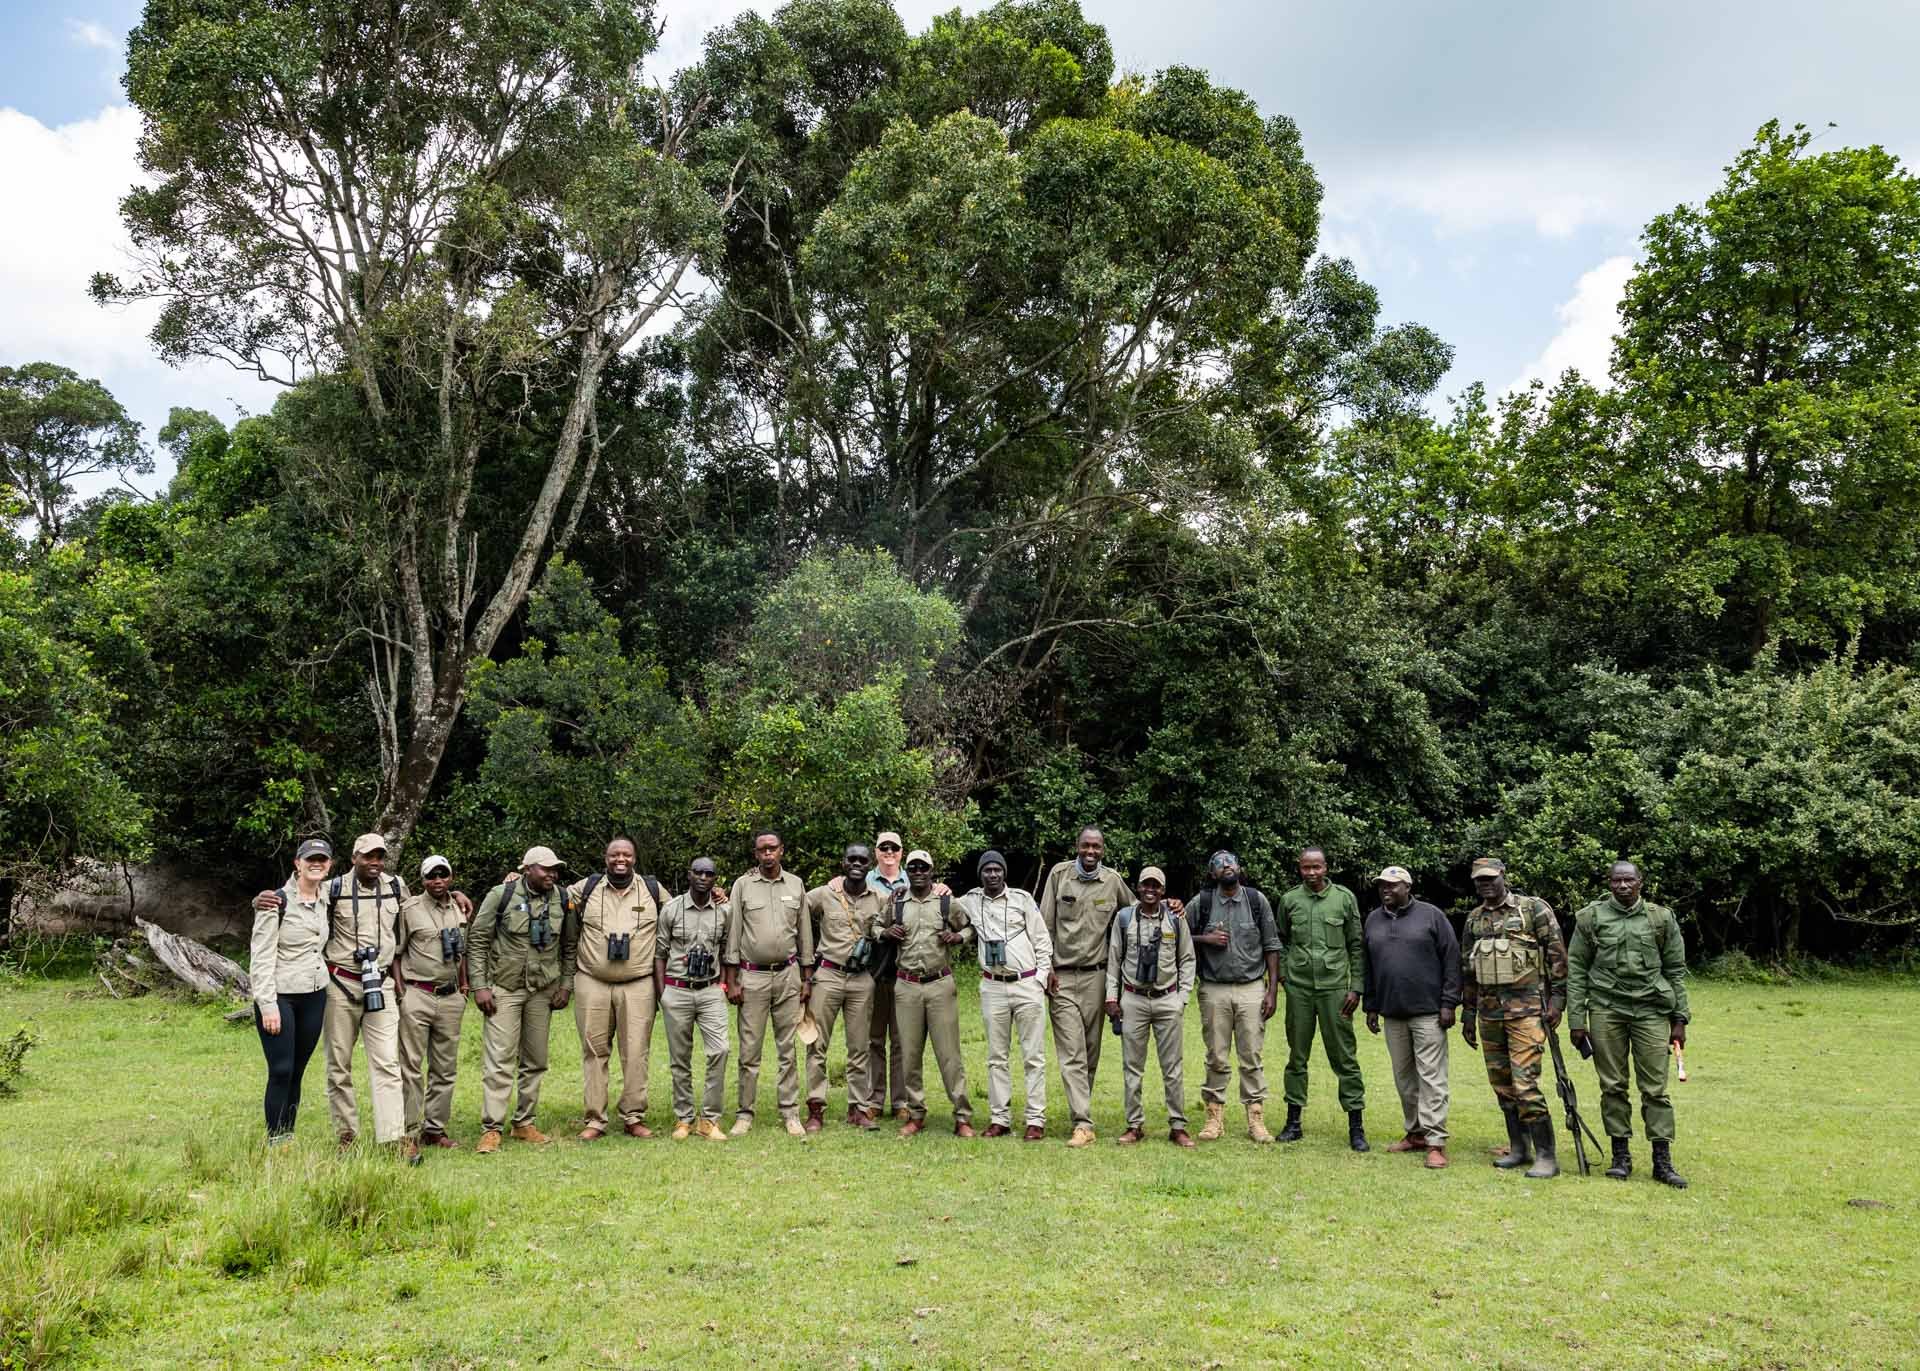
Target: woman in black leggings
(290, 983)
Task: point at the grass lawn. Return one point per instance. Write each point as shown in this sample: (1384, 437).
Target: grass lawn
(141, 1224)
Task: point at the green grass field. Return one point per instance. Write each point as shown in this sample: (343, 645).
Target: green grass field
(142, 1224)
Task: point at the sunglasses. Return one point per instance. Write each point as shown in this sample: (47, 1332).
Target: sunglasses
(889, 847)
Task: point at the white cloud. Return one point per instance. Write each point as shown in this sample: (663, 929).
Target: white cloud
(65, 226)
(88, 34)
(1555, 193)
(1588, 322)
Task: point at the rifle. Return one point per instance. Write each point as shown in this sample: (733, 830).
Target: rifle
(1575, 1124)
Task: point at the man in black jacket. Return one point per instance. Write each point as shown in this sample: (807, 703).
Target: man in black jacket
(1413, 982)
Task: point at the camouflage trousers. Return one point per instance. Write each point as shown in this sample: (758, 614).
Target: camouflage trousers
(1513, 1048)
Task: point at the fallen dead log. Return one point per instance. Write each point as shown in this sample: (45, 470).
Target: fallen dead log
(150, 958)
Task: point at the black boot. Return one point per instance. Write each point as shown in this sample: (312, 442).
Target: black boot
(1291, 1133)
(1517, 1153)
(1545, 1165)
(1357, 1130)
(1663, 1167)
(1622, 1160)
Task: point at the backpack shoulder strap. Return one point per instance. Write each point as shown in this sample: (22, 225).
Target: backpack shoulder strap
(653, 889)
(586, 890)
(506, 897)
(946, 906)
(1202, 910)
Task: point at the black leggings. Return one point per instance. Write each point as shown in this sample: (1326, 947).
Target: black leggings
(287, 1053)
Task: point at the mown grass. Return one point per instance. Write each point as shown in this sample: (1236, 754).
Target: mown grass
(142, 1223)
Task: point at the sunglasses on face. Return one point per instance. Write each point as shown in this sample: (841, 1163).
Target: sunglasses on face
(889, 847)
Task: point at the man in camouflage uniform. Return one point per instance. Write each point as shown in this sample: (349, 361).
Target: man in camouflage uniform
(1513, 974)
(1626, 1000)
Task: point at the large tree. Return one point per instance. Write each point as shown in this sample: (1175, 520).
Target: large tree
(444, 222)
(57, 428)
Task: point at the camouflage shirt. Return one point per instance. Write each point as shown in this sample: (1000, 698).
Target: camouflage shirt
(1509, 954)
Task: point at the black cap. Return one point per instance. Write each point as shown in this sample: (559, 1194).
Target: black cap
(313, 847)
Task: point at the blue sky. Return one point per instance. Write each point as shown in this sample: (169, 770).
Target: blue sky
(1487, 166)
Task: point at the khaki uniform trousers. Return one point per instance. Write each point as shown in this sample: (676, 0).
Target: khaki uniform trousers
(515, 1043)
(1417, 1047)
(931, 1010)
(429, 1058)
(1079, 1022)
(612, 1014)
(764, 995)
(1163, 1019)
(343, 1022)
(886, 1077)
(1007, 1007)
(1230, 1020)
(835, 993)
(684, 1010)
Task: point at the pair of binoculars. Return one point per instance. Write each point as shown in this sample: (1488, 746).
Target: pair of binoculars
(700, 964)
(540, 930)
(993, 952)
(618, 946)
(453, 944)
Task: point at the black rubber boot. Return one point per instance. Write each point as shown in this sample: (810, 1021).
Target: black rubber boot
(1622, 1160)
(1357, 1130)
(1545, 1165)
(1518, 1154)
(1663, 1167)
(1291, 1133)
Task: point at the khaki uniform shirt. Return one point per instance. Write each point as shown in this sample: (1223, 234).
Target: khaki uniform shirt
(1174, 968)
(841, 920)
(764, 923)
(500, 950)
(1078, 909)
(609, 910)
(684, 924)
(421, 919)
(286, 947)
(370, 920)
(1013, 918)
(921, 951)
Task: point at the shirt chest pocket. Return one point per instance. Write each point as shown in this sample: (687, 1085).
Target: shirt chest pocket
(1627, 950)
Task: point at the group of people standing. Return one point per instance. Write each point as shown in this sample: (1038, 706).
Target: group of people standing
(359, 957)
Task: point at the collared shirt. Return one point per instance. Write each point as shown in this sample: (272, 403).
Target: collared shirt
(1173, 967)
(363, 916)
(1013, 918)
(764, 920)
(421, 919)
(612, 910)
(1078, 909)
(1413, 962)
(1321, 931)
(683, 925)
(286, 956)
(880, 885)
(500, 950)
(1626, 961)
(1513, 963)
(840, 920)
(921, 951)
(1251, 932)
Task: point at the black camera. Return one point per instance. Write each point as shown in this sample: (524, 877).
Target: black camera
(453, 944)
(618, 946)
(372, 998)
(539, 930)
(699, 963)
(993, 952)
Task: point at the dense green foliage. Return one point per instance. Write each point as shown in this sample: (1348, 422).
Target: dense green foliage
(1020, 466)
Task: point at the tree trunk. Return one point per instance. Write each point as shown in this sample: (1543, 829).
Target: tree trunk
(6, 910)
(426, 744)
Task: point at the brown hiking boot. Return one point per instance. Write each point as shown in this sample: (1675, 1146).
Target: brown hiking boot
(638, 1130)
(910, 1127)
(963, 1129)
(682, 1130)
(408, 1150)
(997, 1130)
(853, 1116)
(1082, 1137)
(1179, 1137)
(902, 1113)
(815, 1118)
(1415, 1141)
(1034, 1133)
(1257, 1123)
(437, 1140)
(1216, 1123)
(346, 1141)
(1130, 1137)
(489, 1142)
(1436, 1158)
(793, 1127)
(742, 1124)
(710, 1130)
(526, 1132)
(592, 1132)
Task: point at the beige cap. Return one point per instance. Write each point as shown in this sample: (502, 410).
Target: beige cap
(919, 854)
(369, 842)
(1152, 873)
(436, 860)
(1395, 873)
(890, 837)
(541, 856)
(807, 1030)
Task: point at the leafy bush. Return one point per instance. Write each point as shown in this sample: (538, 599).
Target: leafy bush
(13, 1056)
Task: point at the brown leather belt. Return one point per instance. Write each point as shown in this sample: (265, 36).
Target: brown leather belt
(1098, 966)
(679, 984)
(1010, 976)
(756, 966)
(1151, 994)
(928, 980)
(433, 989)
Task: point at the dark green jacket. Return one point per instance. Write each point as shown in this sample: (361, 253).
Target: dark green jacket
(1322, 948)
(1626, 961)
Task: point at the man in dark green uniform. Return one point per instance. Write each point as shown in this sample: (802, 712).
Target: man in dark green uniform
(1626, 1001)
(1324, 966)
(1513, 988)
